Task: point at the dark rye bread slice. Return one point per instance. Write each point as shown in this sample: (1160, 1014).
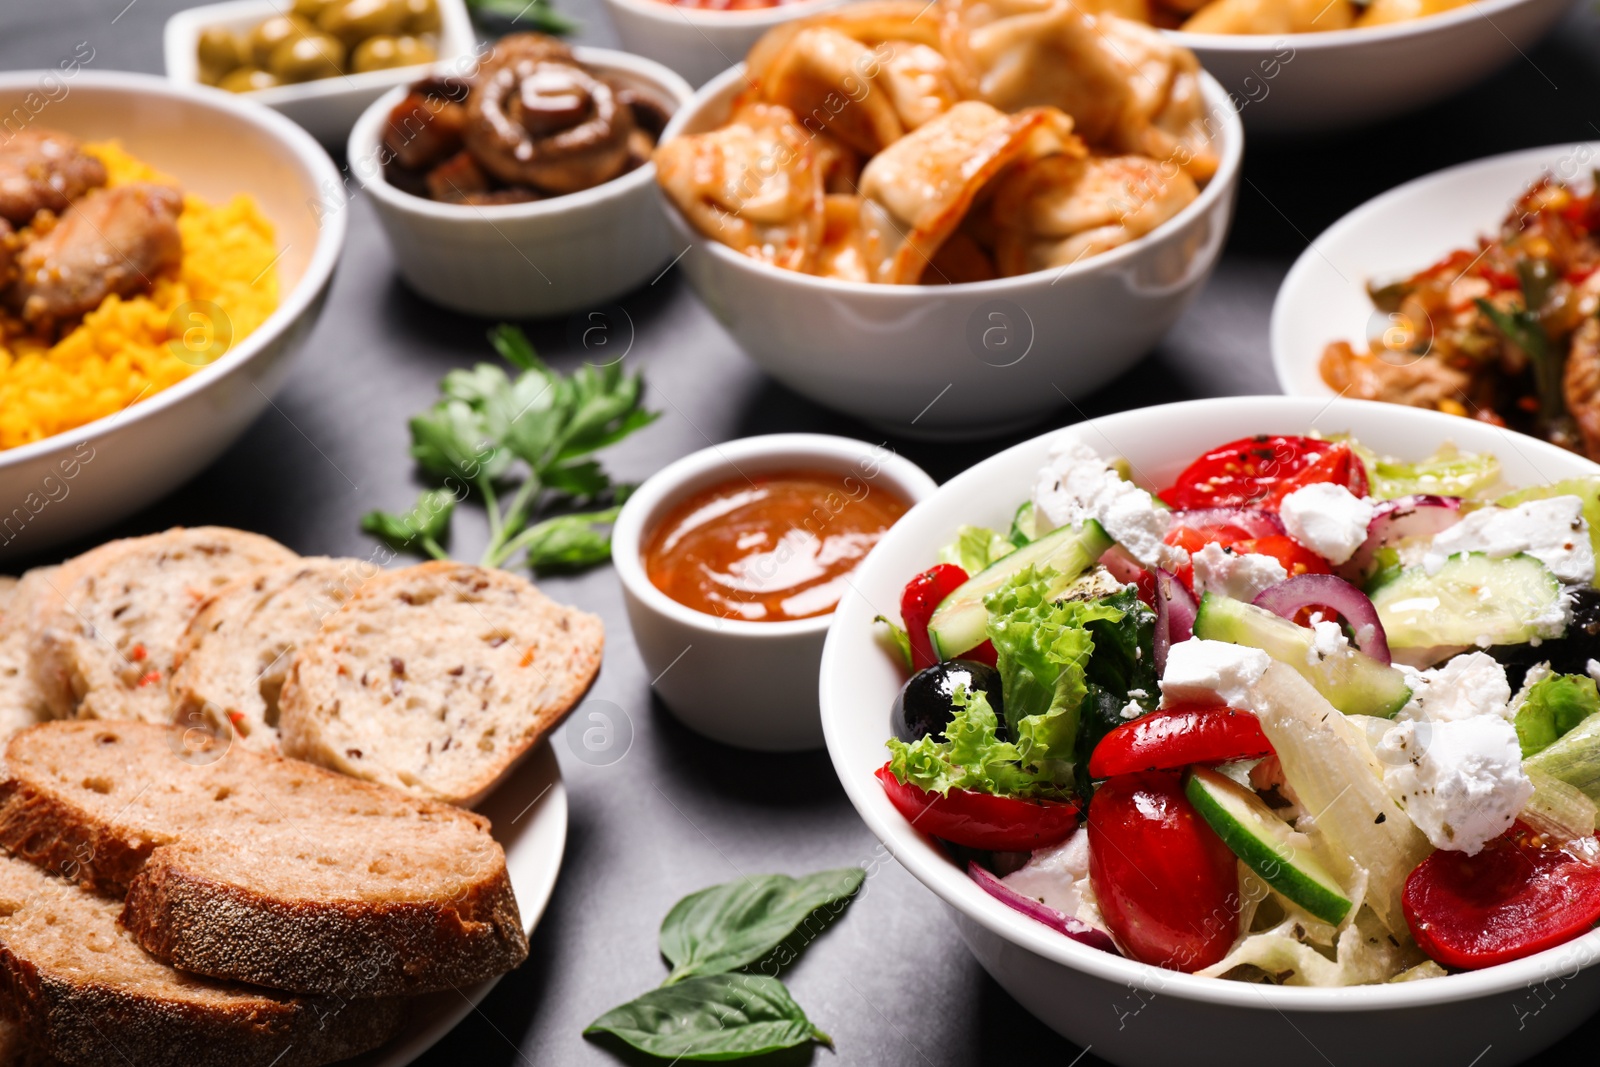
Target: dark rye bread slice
(84, 992)
(262, 869)
(436, 679)
(236, 651)
(104, 640)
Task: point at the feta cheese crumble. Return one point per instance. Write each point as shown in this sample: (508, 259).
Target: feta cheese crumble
(1211, 672)
(1328, 519)
(1079, 485)
(1460, 781)
(1467, 686)
(1553, 531)
(1328, 640)
(1242, 576)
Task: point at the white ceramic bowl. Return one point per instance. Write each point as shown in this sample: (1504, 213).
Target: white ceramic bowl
(1131, 1013)
(217, 146)
(1324, 296)
(698, 43)
(327, 107)
(968, 360)
(750, 684)
(1308, 82)
(549, 257)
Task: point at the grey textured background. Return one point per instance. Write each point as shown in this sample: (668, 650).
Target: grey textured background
(890, 982)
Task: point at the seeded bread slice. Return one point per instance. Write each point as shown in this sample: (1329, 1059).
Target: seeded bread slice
(261, 869)
(86, 993)
(233, 657)
(21, 703)
(105, 639)
(437, 678)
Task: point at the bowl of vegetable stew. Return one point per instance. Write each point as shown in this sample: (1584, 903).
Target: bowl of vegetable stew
(1129, 1012)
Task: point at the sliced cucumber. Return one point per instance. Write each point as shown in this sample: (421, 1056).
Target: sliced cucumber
(1257, 836)
(1585, 489)
(1024, 524)
(1472, 600)
(1351, 680)
(961, 621)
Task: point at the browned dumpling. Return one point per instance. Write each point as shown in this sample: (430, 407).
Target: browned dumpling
(755, 185)
(1058, 210)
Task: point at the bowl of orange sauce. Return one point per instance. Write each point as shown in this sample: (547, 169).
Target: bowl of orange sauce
(732, 561)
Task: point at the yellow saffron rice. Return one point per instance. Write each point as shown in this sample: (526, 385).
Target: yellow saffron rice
(128, 350)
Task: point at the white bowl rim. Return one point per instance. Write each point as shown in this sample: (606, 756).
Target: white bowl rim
(1282, 360)
(628, 533)
(706, 17)
(951, 883)
(330, 242)
(365, 138)
(456, 27)
(1221, 184)
(1354, 37)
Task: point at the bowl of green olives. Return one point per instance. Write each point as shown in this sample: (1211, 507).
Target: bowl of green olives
(319, 62)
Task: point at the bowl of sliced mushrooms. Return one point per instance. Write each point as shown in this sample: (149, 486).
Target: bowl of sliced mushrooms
(948, 220)
(527, 188)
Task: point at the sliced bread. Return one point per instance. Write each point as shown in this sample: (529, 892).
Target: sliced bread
(105, 639)
(437, 679)
(17, 1049)
(261, 869)
(21, 703)
(86, 993)
(235, 654)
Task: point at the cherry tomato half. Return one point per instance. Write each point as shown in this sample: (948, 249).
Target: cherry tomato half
(1248, 472)
(1175, 737)
(1295, 557)
(1167, 886)
(982, 820)
(1516, 897)
(1338, 465)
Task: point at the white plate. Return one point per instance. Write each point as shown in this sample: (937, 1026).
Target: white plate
(1131, 1013)
(1324, 297)
(529, 814)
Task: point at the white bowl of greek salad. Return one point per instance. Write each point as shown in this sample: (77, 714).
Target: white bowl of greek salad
(1234, 736)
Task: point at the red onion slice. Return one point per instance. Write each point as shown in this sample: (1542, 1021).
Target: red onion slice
(1253, 521)
(1181, 607)
(1074, 928)
(1161, 635)
(1396, 520)
(1121, 565)
(1327, 591)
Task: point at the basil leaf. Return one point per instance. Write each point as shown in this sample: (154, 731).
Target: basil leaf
(729, 926)
(712, 1017)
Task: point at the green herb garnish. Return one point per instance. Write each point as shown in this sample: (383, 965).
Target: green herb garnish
(537, 14)
(707, 1009)
(520, 445)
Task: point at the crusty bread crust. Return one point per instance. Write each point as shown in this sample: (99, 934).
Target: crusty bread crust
(103, 642)
(262, 869)
(85, 993)
(437, 679)
(236, 652)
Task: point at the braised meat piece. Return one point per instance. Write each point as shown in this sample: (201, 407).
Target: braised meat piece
(43, 169)
(111, 241)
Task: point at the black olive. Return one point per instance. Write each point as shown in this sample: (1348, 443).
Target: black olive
(1568, 654)
(924, 704)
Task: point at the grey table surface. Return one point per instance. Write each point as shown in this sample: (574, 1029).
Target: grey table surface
(890, 982)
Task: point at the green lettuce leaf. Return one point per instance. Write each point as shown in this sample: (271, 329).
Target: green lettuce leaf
(971, 756)
(1555, 704)
(974, 548)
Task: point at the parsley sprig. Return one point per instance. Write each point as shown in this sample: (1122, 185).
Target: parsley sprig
(520, 445)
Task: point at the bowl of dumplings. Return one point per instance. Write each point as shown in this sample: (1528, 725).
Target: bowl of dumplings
(950, 220)
(1303, 66)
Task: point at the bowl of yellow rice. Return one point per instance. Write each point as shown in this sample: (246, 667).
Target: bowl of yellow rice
(122, 404)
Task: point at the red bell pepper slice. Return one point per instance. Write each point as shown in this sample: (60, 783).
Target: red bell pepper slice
(921, 597)
(982, 820)
(1177, 737)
